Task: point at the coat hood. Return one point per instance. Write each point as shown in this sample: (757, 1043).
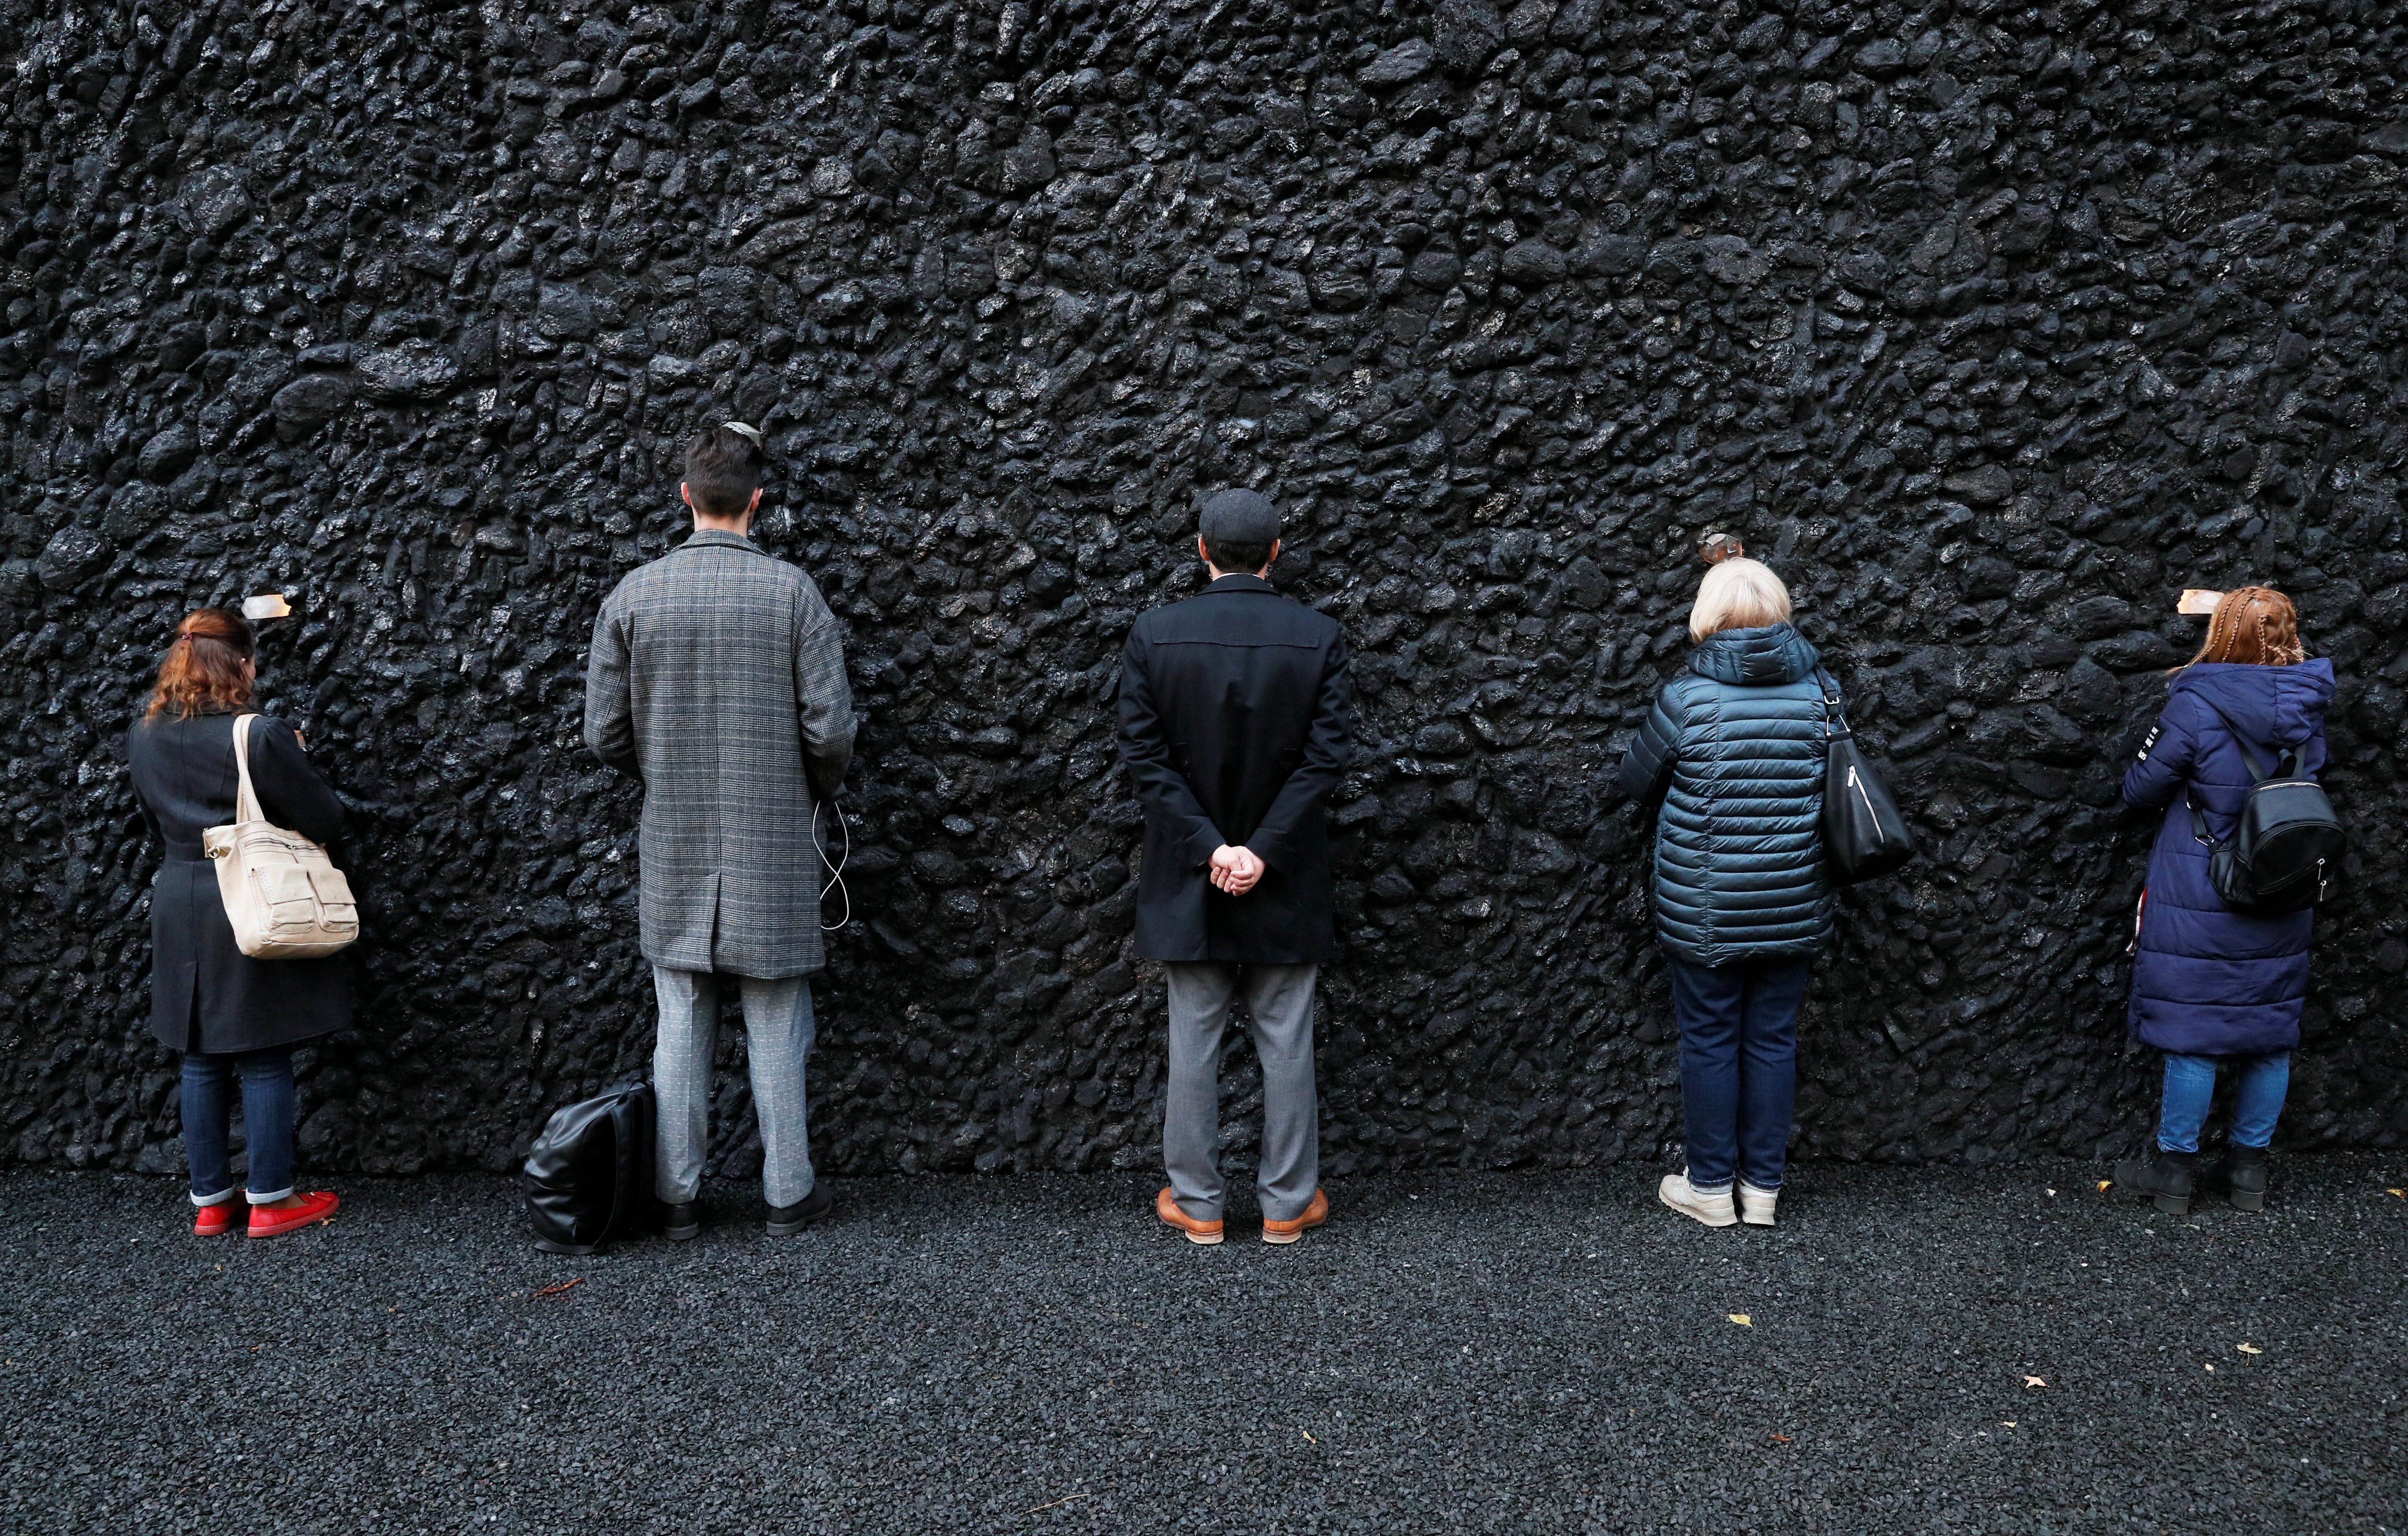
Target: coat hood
(1762, 658)
(2275, 706)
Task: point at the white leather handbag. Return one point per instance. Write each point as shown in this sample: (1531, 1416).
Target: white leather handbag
(284, 897)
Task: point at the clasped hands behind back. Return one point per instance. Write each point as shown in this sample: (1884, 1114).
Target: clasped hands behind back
(1235, 869)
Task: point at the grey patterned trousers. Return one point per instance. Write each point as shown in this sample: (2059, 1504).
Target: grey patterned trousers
(1279, 1000)
(778, 1028)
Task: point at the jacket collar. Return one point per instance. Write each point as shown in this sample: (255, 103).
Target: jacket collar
(720, 538)
(1236, 583)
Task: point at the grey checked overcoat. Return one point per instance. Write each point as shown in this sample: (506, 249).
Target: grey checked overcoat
(717, 675)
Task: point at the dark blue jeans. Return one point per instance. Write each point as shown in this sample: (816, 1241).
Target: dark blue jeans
(266, 1078)
(1739, 1067)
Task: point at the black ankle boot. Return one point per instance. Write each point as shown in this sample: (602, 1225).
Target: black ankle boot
(2165, 1176)
(2240, 1173)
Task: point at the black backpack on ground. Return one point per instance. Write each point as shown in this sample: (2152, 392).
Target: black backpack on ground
(589, 1176)
(2286, 848)
(1864, 837)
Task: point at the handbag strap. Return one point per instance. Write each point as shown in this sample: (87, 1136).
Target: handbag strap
(625, 1156)
(1835, 716)
(246, 799)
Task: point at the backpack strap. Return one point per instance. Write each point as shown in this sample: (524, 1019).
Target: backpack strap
(2283, 755)
(2286, 766)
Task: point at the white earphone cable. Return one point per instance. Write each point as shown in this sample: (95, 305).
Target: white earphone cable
(835, 867)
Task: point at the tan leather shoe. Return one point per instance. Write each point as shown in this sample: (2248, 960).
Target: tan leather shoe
(1288, 1231)
(1205, 1232)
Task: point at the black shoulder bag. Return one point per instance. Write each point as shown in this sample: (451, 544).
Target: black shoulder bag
(589, 1176)
(2287, 845)
(1864, 836)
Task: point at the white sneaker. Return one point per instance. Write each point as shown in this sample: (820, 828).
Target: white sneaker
(1755, 1205)
(1714, 1210)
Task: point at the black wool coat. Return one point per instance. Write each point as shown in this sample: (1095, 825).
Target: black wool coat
(206, 994)
(1235, 711)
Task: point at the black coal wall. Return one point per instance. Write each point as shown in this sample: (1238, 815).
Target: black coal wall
(1990, 328)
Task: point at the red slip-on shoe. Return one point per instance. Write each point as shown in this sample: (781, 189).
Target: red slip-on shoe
(269, 1221)
(216, 1221)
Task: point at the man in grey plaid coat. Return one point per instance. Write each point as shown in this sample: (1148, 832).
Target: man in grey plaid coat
(717, 676)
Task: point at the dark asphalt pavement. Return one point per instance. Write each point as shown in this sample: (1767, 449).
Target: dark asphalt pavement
(1453, 1352)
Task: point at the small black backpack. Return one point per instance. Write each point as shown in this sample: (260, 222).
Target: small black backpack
(2286, 850)
(589, 1176)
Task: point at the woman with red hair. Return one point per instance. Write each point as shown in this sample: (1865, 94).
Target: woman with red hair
(234, 1018)
(2211, 986)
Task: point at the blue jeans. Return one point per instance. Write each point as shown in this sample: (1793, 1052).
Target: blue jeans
(1739, 1067)
(267, 1078)
(2257, 1101)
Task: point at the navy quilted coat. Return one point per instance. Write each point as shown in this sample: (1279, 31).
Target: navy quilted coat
(1736, 747)
(2206, 980)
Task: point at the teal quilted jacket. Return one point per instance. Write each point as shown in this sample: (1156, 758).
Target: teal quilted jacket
(1735, 745)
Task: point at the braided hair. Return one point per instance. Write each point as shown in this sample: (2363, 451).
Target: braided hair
(2253, 627)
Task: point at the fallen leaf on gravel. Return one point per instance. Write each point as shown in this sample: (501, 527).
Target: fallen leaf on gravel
(1784, 1439)
(564, 1285)
(1056, 1504)
(2006, 1423)
(1308, 1435)
(2104, 1185)
(1743, 1319)
(2251, 1349)
(2402, 1194)
(2211, 1368)
(2034, 1381)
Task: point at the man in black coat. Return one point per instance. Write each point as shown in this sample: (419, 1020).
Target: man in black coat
(1235, 711)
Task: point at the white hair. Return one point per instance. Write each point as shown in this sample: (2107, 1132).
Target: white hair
(1738, 593)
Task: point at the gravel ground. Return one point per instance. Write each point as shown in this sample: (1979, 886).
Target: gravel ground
(1543, 1352)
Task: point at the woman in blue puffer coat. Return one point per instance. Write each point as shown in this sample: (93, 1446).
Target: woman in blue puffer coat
(1736, 746)
(2210, 985)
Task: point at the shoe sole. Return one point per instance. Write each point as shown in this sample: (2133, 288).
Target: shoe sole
(682, 1234)
(788, 1229)
(286, 1231)
(571, 1250)
(2173, 1205)
(1702, 1220)
(1202, 1239)
(1280, 1240)
(2248, 1199)
(1757, 1221)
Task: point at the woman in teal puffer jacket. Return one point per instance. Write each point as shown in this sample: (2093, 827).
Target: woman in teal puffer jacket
(1735, 746)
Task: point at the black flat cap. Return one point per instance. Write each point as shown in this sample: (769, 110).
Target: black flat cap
(1239, 517)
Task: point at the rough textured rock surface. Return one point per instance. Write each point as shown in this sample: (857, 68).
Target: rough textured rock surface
(1990, 328)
